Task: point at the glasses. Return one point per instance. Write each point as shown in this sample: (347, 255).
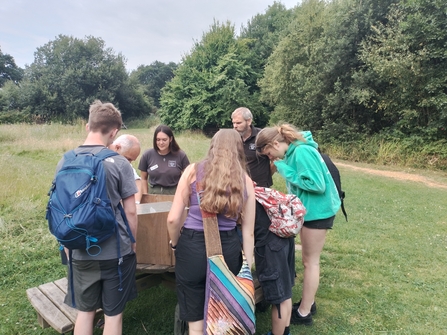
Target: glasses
(164, 140)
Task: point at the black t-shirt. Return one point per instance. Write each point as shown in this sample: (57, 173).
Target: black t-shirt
(258, 166)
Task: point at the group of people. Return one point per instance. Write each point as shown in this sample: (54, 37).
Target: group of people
(236, 158)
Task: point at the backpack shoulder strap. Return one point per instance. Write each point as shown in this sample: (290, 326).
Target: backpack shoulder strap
(105, 153)
(335, 173)
(69, 155)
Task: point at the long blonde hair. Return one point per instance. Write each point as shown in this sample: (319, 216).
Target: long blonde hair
(223, 183)
(282, 133)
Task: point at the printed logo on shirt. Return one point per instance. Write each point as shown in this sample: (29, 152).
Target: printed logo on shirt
(252, 146)
(172, 164)
(153, 167)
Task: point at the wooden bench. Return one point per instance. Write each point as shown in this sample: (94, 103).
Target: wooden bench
(48, 299)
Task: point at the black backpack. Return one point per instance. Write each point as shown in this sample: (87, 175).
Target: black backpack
(336, 177)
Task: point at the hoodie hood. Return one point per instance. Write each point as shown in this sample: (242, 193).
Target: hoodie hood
(309, 139)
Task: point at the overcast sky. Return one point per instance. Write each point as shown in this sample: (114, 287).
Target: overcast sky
(142, 30)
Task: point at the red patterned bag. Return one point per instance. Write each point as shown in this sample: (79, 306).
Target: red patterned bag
(286, 211)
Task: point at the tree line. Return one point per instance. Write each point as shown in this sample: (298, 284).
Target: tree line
(346, 69)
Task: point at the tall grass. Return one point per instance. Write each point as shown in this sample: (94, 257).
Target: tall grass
(411, 152)
(383, 272)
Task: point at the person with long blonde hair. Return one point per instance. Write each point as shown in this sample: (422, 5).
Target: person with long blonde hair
(225, 189)
(298, 161)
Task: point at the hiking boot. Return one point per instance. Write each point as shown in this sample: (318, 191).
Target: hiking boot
(297, 319)
(313, 308)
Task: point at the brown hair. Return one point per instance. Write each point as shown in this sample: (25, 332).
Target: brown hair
(282, 133)
(173, 146)
(223, 183)
(104, 117)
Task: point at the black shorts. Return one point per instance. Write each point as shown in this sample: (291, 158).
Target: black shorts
(320, 224)
(96, 285)
(275, 267)
(191, 266)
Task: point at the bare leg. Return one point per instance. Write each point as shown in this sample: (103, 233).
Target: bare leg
(312, 242)
(196, 327)
(113, 325)
(84, 323)
(279, 325)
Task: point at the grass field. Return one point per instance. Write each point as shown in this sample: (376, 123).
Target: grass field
(383, 272)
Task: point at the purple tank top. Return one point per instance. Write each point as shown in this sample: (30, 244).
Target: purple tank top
(194, 218)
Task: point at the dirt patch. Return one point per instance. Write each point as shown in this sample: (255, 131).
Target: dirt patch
(396, 175)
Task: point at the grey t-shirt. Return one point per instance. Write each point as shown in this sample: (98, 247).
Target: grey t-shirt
(120, 185)
(163, 170)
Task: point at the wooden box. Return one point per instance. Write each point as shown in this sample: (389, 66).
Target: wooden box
(152, 235)
(148, 198)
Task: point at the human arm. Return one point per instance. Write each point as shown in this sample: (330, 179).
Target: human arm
(185, 162)
(248, 222)
(144, 176)
(272, 168)
(130, 209)
(143, 167)
(140, 191)
(302, 168)
(138, 184)
(181, 200)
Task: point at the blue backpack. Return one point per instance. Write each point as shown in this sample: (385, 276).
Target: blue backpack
(79, 212)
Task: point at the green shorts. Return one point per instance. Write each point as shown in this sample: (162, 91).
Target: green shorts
(157, 189)
(97, 285)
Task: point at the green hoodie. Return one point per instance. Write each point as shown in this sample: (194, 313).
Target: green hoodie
(308, 177)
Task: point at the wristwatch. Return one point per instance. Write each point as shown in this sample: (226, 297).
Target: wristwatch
(173, 247)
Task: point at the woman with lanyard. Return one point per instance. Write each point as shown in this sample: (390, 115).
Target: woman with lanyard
(162, 166)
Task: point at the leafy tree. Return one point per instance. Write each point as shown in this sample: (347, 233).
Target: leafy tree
(409, 56)
(153, 78)
(69, 73)
(264, 33)
(291, 78)
(310, 75)
(210, 83)
(9, 70)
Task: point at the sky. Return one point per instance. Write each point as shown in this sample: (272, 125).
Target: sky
(143, 31)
